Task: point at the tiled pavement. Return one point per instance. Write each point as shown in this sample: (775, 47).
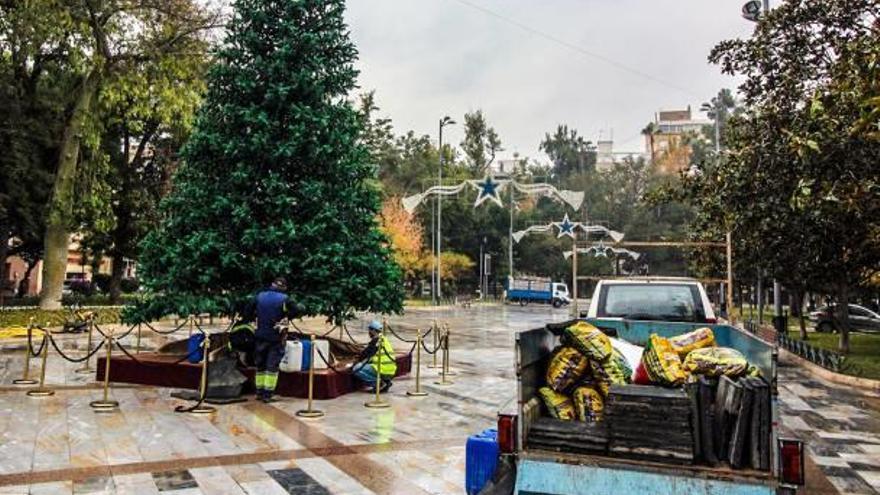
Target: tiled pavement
(840, 425)
(58, 445)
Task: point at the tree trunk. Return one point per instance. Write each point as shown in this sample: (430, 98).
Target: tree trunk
(57, 235)
(798, 305)
(25, 283)
(116, 278)
(843, 318)
(4, 252)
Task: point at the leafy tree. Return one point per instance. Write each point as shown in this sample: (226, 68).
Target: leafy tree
(95, 42)
(405, 234)
(798, 187)
(481, 143)
(569, 152)
(275, 179)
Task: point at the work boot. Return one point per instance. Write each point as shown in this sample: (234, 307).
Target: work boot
(386, 384)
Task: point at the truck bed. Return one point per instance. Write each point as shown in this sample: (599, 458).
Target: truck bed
(566, 446)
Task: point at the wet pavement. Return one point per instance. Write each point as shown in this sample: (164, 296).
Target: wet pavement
(59, 445)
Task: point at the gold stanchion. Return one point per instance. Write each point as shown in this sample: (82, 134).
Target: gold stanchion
(378, 403)
(435, 330)
(105, 404)
(41, 390)
(444, 344)
(86, 369)
(191, 320)
(203, 384)
(25, 377)
(137, 345)
(308, 412)
(418, 391)
(446, 358)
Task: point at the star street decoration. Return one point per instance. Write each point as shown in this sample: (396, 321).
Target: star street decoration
(566, 227)
(491, 189)
(602, 251)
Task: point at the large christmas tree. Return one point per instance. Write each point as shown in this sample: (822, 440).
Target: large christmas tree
(274, 180)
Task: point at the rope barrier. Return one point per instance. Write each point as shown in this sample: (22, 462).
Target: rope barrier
(75, 360)
(167, 332)
(126, 334)
(350, 336)
(390, 329)
(30, 342)
(330, 366)
(436, 348)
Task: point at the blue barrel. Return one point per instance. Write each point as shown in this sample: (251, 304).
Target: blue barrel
(194, 349)
(307, 354)
(481, 459)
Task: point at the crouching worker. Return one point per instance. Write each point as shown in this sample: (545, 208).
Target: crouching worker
(272, 305)
(378, 357)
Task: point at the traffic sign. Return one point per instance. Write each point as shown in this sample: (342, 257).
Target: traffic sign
(752, 10)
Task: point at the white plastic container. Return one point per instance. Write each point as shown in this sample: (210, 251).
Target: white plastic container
(293, 357)
(324, 347)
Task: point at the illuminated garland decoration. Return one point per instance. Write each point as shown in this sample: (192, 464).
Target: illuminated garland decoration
(567, 227)
(491, 189)
(604, 250)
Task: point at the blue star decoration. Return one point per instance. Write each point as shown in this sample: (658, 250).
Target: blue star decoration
(489, 188)
(566, 227)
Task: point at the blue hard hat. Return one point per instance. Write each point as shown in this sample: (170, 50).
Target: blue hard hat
(374, 326)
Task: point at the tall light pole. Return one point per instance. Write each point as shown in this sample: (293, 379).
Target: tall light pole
(445, 121)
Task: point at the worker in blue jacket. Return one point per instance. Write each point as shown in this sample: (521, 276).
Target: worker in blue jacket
(271, 306)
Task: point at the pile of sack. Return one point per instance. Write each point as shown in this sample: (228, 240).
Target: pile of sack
(671, 362)
(586, 365)
(580, 373)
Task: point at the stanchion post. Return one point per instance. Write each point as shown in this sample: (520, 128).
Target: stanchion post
(443, 345)
(25, 377)
(446, 358)
(418, 391)
(435, 330)
(378, 403)
(105, 404)
(203, 382)
(137, 345)
(41, 390)
(191, 320)
(86, 369)
(308, 412)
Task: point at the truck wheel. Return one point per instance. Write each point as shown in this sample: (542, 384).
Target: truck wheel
(557, 303)
(523, 302)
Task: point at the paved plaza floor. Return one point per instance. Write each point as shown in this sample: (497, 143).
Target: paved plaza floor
(58, 445)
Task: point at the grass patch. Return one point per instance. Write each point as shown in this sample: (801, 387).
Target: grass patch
(21, 317)
(864, 349)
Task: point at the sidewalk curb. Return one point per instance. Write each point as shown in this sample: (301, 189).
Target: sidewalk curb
(818, 371)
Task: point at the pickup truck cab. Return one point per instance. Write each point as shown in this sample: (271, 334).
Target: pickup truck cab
(682, 300)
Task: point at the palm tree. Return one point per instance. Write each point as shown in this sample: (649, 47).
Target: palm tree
(650, 130)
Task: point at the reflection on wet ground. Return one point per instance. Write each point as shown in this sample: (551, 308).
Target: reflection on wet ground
(59, 445)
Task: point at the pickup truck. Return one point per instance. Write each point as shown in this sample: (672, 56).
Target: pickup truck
(567, 470)
(534, 290)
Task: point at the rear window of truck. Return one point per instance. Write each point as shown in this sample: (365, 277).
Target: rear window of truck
(653, 302)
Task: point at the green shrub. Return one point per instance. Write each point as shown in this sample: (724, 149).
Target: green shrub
(21, 317)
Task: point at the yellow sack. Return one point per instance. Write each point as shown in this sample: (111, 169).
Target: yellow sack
(609, 372)
(716, 361)
(687, 342)
(662, 362)
(589, 340)
(588, 403)
(559, 405)
(567, 367)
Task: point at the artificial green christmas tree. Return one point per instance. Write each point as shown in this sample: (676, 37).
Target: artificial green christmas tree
(274, 180)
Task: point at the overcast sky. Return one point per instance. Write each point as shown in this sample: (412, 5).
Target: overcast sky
(610, 65)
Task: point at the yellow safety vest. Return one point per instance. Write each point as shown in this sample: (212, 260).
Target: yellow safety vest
(384, 359)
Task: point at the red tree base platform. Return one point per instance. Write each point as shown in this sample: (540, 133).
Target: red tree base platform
(160, 370)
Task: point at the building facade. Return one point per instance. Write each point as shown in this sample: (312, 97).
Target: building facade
(666, 147)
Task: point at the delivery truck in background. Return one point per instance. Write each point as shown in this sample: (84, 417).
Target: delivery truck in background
(555, 463)
(526, 290)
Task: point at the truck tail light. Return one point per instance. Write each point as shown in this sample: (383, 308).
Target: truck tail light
(791, 460)
(506, 433)
(712, 320)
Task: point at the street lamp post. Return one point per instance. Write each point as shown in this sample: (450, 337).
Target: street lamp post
(445, 121)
